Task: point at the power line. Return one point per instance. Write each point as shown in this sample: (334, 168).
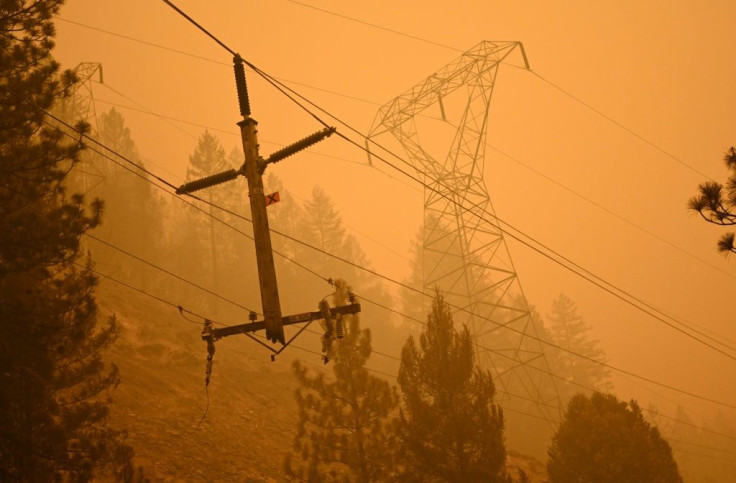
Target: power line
(393, 376)
(703, 446)
(639, 227)
(194, 22)
(181, 309)
(225, 46)
(700, 455)
(200, 57)
(644, 378)
(621, 126)
(142, 292)
(564, 349)
(567, 93)
(512, 158)
(144, 42)
(295, 2)
(459, 308)
(568, 264)
(403, 34)
(404, 315)
(146, 110)
(690, 424)
(611, 212)
(532, 337)
(168, 272)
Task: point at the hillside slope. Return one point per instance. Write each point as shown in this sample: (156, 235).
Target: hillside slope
(243, 432)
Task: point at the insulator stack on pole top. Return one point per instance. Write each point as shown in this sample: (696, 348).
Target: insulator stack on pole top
(208, 181)
(241, 86)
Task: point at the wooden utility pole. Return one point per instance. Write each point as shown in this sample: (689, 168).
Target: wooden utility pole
(253, 168)
(261, 233)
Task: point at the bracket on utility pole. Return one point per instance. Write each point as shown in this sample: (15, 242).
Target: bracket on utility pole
(219, 333)
(253, 168)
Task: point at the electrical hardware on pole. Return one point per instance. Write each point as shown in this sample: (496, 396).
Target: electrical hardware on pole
(253, 167)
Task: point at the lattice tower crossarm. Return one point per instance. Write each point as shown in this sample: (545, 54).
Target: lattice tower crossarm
(79, 105)
(82, 96)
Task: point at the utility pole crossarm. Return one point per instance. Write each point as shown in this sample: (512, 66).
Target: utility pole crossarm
(214, 334)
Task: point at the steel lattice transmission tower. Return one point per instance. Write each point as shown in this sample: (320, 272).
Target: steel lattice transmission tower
(464, 253)
(79, 105)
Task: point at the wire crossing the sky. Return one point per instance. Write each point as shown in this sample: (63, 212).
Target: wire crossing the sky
(170, 185)
(485, 214)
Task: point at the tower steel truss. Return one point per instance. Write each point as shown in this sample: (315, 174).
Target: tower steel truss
(464, 253)
(79, 105)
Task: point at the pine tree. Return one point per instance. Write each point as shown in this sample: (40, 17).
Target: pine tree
(413, 303)
(569, 330)
(325, 225)
(208, 159)
(344, 431)
(541, 393)
(449, 426)
(53, 416)
(132, 210)
(605, 440)
(208, 252)
(344, 245)
(716, 203)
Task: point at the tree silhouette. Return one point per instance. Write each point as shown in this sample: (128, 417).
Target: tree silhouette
(602, 439)
(449, 427)
(53, 382)
(568, 329)
(716, 203)
(132, 210)
(344, 432)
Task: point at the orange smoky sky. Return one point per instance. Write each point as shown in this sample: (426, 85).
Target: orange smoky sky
(611, 199)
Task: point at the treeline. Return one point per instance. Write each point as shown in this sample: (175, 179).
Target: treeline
(206, 242)
(71, 209)
(54, 382)
(442, 423)
(199, 250)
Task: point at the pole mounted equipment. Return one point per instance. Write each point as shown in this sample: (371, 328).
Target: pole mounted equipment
(253, 167)
(242, 87)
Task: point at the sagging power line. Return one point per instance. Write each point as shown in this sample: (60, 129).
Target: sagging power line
(367, 101)
(137, 169)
